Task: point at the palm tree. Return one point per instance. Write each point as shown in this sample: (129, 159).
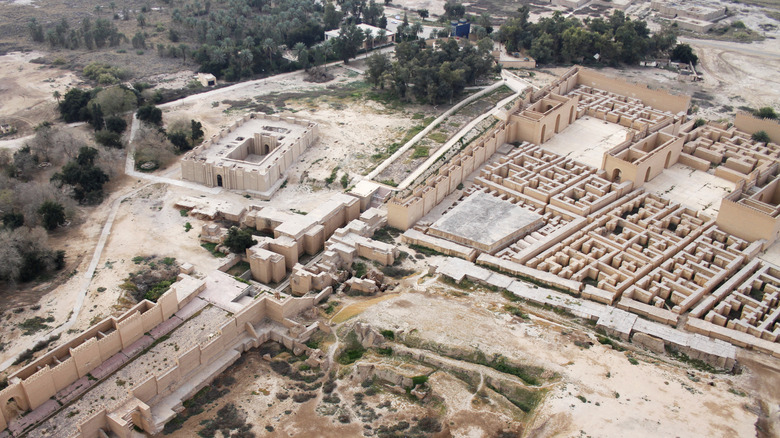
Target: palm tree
(57, 96)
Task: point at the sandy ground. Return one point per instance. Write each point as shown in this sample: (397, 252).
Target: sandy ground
(657, 397)
(147, 224)
(26, 91)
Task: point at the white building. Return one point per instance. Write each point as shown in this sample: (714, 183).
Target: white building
(367, 30)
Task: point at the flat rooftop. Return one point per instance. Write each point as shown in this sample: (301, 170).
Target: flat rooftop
(223, 149)
(486, 222)
(691, 188)
(586, 140)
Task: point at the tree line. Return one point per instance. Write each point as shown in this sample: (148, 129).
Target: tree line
(559, 39)
(431, 75)
(102, 33)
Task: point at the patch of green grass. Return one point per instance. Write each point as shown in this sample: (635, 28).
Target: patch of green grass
(386, 234)
(604, 340)
(525, 399)
(438, 137)
(158, 289)
(426, 251)
(516, 311)
(737, 392)
(420, 152)
(35, 324)
(360, 269)
(333, 174)
(212, 248)
(419, 380)
(696, 363)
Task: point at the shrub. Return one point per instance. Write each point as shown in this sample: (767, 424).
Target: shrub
(109, 139)
(116, 124)
(150, 114)
(238, 240)
(760, 136)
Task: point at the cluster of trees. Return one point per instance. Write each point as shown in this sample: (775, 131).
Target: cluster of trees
(89, 35)
(25, 254)
(154, 144)
(101, 108)
(431, 75)
(244, 38)
(684, 53)
(32, 203)
(558, 39)
(84, 178)
(183, 135)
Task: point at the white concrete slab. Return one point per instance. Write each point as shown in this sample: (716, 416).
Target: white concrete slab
(586, 140)
(691, 188)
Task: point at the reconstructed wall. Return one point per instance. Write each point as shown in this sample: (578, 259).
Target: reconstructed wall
(577, 92)
(403, 213)
(750, 124)
(752, 210)
(41, 380)
(658, 99)
(642, 161)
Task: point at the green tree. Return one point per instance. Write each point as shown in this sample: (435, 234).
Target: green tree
(116, 124)
(760, 136)
(83, 176)
(196, 129)
(349, 42)
(378, 64)
(454, 10)
(150, 114)
(180, 141)
(684, 53)
(423, 13)
(302, 53)
(13, 220)
(73, 107)
(52, 215)
(766, 112)
(96, 120)
(238, 240)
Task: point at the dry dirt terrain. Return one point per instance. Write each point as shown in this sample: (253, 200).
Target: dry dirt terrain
(586, 388)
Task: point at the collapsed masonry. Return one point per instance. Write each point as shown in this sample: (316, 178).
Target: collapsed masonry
(329, 237)
(601, 236)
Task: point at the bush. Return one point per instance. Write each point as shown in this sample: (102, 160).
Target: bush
(238, 240)
(760, 136)
(116, 124)
(109, 139)
(150, 114)
(766, 112)
(52, 214)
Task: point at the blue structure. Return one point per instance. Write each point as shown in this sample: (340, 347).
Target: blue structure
(461, 28)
